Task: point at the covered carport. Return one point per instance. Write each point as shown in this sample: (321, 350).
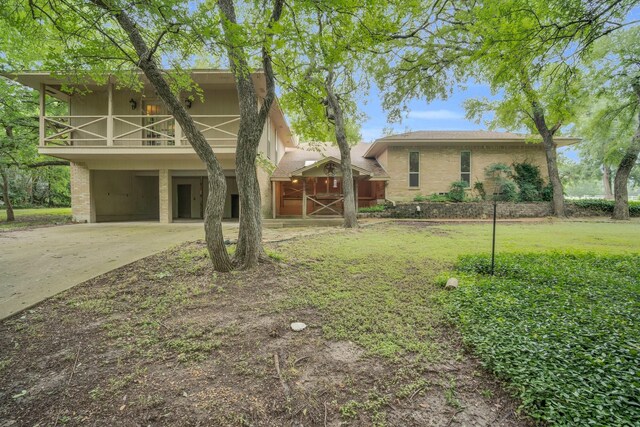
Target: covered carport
(125, 195)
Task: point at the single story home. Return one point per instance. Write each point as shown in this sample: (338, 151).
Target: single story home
(130, 161)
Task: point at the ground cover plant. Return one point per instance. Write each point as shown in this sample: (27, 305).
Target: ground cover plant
(33, 218)
(605, 207)
(167, 341)
(562, 328)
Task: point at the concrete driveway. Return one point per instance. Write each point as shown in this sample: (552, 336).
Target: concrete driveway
(36, 264)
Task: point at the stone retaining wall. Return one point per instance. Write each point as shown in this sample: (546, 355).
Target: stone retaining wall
(466, 210)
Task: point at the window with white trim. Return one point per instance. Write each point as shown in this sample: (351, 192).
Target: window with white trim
(414, 169)
(268, 138)
(465, 167)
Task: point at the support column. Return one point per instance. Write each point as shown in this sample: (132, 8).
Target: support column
(177, 133)
(82, 202)
(110, 113)
(273, 199)
(43, 113)
(304, 197)
(355, 192)
(166, 196)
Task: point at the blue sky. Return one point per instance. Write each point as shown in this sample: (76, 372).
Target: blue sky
(436, 115)
(446, 114)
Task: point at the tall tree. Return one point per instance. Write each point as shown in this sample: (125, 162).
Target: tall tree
(106, 35)
(527, 51)
(325, 75)
(253, 116)
(611, 98)
(321, 79)
(18, 125)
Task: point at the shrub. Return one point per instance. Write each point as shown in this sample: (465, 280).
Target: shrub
(561, 328)
(547, 193)
(419, 198)
(527, 177)
(457, 191)
(376, 208)
(438, 198)
(509, 192)
(501, 179)
(479, 188)
(605, 206)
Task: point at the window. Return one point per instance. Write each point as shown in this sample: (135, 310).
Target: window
(268, 139)
(465, 167)
(414, 169)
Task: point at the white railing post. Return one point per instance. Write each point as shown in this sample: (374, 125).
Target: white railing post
(110, 113)
(177, 133)
(42, 115)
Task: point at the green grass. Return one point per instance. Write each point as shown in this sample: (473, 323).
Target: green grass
(26, 218)
(563, 328)
(378, 287)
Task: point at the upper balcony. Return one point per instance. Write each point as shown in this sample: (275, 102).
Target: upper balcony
(108, 119)
(133, 130)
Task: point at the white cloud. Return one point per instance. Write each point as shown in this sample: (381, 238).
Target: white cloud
(435, 115)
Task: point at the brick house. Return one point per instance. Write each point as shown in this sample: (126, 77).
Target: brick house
(130, 161)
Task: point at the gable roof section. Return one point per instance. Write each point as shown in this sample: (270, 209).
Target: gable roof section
(293, 162)
(453, 137)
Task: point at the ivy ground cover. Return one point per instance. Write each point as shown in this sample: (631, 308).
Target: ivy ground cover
(562, 328)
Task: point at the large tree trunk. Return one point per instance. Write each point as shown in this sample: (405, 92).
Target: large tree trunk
(249, 250)
(621, 207)
(217, 182)
(606, 181)
(5, 196)
(551, 156)
(540, 122)
(349, 212)
(554, 174)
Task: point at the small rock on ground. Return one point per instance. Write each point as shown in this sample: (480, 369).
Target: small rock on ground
(298, 326)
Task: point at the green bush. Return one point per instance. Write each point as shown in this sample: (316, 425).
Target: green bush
(438, 198)
(457, 191)
(604, 206)
(419, 198)
(509, 191)
(547, 193)
(479, 188)
(563, 329)
(527, 177)
(376, 208)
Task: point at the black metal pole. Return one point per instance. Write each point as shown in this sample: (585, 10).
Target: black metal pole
(493, 243)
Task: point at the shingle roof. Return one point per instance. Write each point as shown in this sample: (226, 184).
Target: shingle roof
(453, 135)
(295, 159)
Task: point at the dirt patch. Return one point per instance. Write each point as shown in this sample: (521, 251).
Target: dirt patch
(167, 341)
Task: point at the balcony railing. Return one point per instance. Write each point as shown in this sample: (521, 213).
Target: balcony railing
(134, 130)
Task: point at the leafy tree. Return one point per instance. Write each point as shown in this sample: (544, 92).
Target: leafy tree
(527, 51)
(19, 141)
(611, 104)
(237, 38)
(116, 37)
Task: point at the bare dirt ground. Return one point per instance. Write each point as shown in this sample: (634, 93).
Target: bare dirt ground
(167, 341)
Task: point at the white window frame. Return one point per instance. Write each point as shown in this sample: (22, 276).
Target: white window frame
(466, 173)
(268, 138)
(409, 172)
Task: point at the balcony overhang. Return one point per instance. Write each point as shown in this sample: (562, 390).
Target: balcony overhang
(75, 153)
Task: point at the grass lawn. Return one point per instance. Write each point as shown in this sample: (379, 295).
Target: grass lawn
(32, 218)
(167, 341)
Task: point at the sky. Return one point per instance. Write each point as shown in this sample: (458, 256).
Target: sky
(437, 115)
(446, 114)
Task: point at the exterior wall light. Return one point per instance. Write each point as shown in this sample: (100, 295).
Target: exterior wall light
(133, 104)
(188, 103)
